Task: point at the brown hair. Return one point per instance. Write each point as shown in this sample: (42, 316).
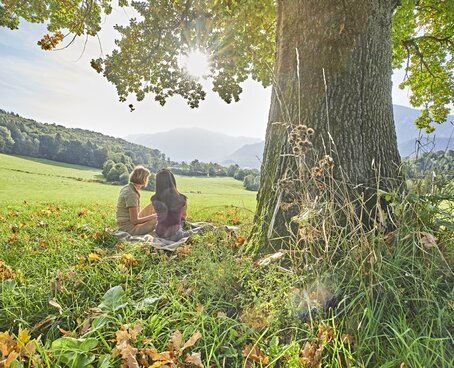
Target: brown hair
(139, 175)
(166, 194)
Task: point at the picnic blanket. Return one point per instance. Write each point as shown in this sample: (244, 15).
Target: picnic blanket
(165, 244)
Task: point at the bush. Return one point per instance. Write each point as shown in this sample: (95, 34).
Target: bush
(106, 167)
(116, 171)
(151, 182)
(124, 178)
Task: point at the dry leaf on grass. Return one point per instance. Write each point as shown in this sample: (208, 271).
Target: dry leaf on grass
(265, 261)
(123, 347)
(194, 359)
(94, 258)
(5, 271)
(427, 240)
(253, 353)
(128, 259)
(192, 340)
(55, 304)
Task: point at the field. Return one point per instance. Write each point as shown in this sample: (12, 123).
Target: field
(72, 295)
(43, 181)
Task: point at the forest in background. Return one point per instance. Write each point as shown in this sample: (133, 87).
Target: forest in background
(115, 156)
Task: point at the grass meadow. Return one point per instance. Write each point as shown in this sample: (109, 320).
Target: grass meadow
(71, 295)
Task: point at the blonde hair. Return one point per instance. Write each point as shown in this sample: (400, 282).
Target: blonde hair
(139, 175)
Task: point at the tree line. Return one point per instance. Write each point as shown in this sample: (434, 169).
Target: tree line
(116, 157)
(27, 137)
(440, 163)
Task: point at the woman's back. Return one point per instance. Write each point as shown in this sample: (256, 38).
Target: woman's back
(169, 215)
(169, 204)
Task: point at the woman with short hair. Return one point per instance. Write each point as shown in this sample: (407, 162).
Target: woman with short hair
(129, 217)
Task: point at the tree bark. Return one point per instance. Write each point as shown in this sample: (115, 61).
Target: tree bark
(333, 74)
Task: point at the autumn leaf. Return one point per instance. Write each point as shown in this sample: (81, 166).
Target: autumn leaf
(183, 250)
(265, 261)
(23, 338)
(94, 258)
(165, 356)
(65, 333)
(240, 241)
(252, 353)
(192, 340)
(128, 354)
(128, 259)
(176, 341)
(5, 271)
(43, 323)
(427, 240)
(311, 355)
(54, 304)
(325, 333)
(194, 359)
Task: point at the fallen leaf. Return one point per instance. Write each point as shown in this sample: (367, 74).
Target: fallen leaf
(348, 339)
(176, 341)
(94, 258)
(54, 304)
(265, 261)
(5, 271)
(64, 332)
(128, 259)
(128, 354)
(194, 359)
(134, 332)
(43, 323)
(165, 356)
(192, 340)
(427, 240)
(183, 250)
(240, 241)
(253, 353)
(325, 333)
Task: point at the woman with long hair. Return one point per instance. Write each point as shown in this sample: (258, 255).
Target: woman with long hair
(129, 217)
(170, 207)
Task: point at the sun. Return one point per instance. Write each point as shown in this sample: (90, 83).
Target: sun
(196, 64)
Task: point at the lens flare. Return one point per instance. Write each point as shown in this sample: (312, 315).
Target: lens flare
(195, 63)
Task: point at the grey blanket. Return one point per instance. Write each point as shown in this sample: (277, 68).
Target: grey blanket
(160, 243)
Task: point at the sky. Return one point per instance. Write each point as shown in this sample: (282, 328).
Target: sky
(60, 87)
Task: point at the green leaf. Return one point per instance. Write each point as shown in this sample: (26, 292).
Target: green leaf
(113, 299)
(105, 361)
(74, 352)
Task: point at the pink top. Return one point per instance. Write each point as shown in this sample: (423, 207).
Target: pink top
(169, 220)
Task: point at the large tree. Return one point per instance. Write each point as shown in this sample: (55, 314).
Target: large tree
(330, 64)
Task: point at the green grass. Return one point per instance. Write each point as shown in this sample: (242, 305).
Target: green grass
(38, 180)
(396, 305)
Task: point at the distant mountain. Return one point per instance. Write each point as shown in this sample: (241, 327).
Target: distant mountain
(410, 139)
(250, 155)
(187, 144)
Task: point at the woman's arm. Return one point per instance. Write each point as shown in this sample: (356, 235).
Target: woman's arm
(135, 219)
(183, 211)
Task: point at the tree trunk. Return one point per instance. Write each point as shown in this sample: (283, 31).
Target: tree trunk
(333, 74)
